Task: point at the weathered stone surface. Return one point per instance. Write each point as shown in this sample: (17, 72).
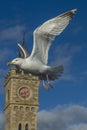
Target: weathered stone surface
(18, 109)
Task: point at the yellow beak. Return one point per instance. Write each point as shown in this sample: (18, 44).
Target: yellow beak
(10, 63)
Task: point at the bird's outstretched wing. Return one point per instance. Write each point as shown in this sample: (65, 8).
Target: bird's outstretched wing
(45, 34)
(22, 51)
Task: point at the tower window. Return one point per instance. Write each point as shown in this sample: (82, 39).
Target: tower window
(26, 127)
(19, 126)
(15, 108)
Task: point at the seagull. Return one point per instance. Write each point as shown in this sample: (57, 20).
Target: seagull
(36, 62)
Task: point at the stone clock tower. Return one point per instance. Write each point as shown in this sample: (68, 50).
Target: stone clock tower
(21, 101)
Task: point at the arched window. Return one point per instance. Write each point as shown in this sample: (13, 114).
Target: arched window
(26, 127)
(19, 126)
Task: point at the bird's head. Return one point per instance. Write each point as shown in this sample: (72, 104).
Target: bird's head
(16, 61)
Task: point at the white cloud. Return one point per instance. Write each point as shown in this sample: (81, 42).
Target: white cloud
(4, 54)
(78, 127)
(3, 73)
(2, 86)
(78, 30)
(2, 121)
(73, 117)
(65, 55)
(12, 33)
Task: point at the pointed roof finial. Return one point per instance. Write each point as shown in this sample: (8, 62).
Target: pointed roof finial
(23, 42)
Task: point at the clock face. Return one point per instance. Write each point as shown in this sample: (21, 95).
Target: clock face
(24, 92)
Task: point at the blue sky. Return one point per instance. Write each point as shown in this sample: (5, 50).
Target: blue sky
(68, 95)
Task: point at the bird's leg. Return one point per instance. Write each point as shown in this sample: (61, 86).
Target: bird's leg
(49, 82)
(45, 85)
(22, 72)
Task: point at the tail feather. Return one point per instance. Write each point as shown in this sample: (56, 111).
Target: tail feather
(53, 73)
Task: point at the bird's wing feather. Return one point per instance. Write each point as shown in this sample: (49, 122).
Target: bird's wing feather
(45, 34)
(22, 51)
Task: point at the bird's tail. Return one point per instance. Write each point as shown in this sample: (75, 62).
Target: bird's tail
(53, 73)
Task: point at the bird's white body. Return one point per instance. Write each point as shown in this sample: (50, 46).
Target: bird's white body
(33, 66)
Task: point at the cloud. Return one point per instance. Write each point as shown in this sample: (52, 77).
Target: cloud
(4, 54)
(78, 30)
(62, 117)
(3, 73)
(2, 86)
(78, 127)
(2, 120)
(12, 33)
(73, 117)
(65, 55)
(83, 74)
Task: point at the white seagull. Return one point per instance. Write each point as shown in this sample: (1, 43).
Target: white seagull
(36, 62)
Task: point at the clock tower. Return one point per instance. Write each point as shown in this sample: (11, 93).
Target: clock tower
(21, 101)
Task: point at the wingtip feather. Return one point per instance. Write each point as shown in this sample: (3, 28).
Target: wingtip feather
(74, 11)
(18, 44)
